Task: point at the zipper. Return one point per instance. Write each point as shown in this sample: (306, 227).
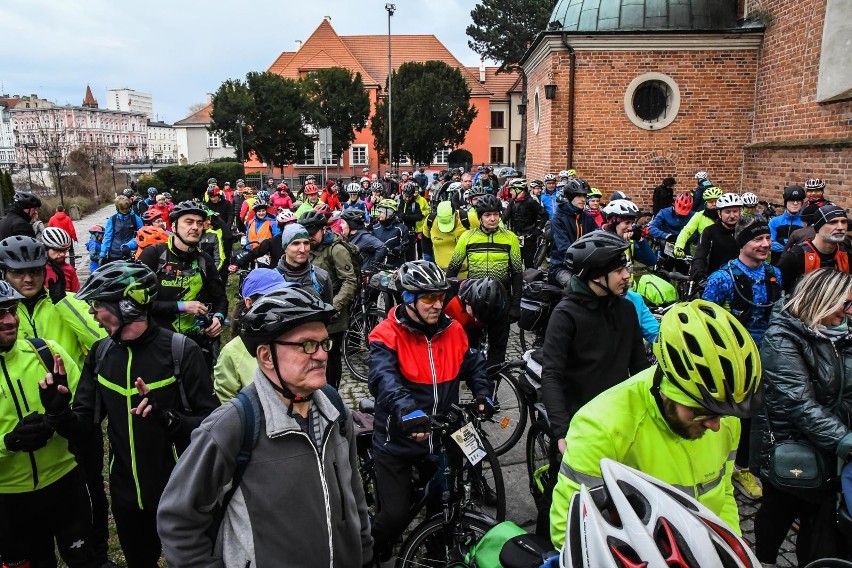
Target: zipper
(23, 398)
(340, 488)
(434, 386)
(20, 413)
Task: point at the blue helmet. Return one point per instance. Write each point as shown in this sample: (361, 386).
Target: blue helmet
(152, 192)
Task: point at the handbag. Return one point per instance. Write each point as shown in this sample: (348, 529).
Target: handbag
(797, 466)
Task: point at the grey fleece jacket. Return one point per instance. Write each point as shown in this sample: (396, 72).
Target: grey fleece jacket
(295, 506)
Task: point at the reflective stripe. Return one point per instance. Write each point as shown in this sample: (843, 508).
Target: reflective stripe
(703, 488)
(73, 309)
(732, 455)
(580, 478)
(133, 390)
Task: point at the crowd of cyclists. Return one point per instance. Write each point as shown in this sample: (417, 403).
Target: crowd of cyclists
(661, 399)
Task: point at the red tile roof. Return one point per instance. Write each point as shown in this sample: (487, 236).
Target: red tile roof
(10, 102)
(498, 83)
(198, 117)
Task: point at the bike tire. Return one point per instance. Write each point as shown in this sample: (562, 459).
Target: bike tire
(510, 415)
(541, 454)
(488, 492)
(434, 543)
(356, 349)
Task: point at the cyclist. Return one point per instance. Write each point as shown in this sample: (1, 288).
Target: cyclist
(476, 303)
(152, 401)
(372, 202)
(281, 199)
(353, 190)
(61, 220)
(708, 375)
(248, 211)
(664, 195)
(791, 219)
(717, 245)
(56, 243)
(700, 221)
(593, 206)
(750, 203)
(213, 242)
(827, 249)
(815, 192)
(391, 231)
(191, 297)
(271, 247)
(120, 233)
(19, 217)
(549, 197)
(216, 203)
(152, 232)
(240, 195)
(301, 487)
(413, 211)
(261, 227)
(443, 229)
(93, 245)
(702, 183)
(569, 224)
(492, 251)
(295, 265)
(526, 218)
(418, 357)
(353, 222)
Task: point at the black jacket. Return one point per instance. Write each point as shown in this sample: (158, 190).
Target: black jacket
(808, 388)
(716, 247)
(273, 247)
(144, 452)
(225, 209)
(526, 217)
(792, 263)
(410, 213)
(592, 343)
(663, 197)
(16, 222)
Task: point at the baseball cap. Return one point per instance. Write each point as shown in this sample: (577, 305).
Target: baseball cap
(445, 217)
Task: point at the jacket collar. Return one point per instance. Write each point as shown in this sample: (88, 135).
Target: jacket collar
(278, 421)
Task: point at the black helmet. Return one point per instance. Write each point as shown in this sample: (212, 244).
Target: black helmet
(121, 280)
(280, 311)
(128, 193)
(313, 221)
(187, 208)
(422, 276)
(26, 200)
(488, 204)
(355, 218)
(486, 297)
(794, 193)
(476, 190)
(595, 254)
(410, 188)
(18, 252)
(8, 294)
(575, 187)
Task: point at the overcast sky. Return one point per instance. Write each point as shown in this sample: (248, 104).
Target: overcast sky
(178, 50)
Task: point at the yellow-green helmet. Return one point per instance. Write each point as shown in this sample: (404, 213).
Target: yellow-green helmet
(712, 193)
(386, 204)
(708, 359)
(594, 192)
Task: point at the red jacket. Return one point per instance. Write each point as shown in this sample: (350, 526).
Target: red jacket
(63, 221)
(72, 283)
(331, 200)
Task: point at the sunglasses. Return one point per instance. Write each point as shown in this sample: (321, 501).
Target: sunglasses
(9, 309)
(433, 298)
(309, 346)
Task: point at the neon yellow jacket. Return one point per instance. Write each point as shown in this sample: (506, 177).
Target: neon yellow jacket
(444, 244)
(625, 423)
(420, 225)
(20, 372)
(698, 222)
(234, 370)
(68, 323)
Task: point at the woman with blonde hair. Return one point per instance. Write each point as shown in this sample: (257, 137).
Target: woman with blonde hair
(807, 370)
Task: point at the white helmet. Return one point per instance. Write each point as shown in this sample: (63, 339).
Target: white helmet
(637, 517)
(456, 187)
(748, 198)
(563, 174)
(621, 208)
(55, 238)
(701, 176)
(729, 200)
(353, 188)
(285, 216)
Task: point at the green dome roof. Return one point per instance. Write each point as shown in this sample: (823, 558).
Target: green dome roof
(585, 16)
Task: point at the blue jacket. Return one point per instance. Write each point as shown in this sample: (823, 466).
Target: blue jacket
(641, 251)
(120, 231)
(358, 205)
(395, 235)
(698, 195)
(647, 322)
(372, 249)
(548, 201)
(781, 227)
(667, 222)
(569, 224)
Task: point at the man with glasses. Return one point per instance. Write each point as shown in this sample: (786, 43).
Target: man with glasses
(152, 385)
(418, 357)
(299, 495)
(677, 421)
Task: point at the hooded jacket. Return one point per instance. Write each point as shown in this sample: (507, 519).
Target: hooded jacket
(372, 249)
(526, 216)
(781, 227)
(63, 221)
(395, 235)
(569, 224)
(332, 256)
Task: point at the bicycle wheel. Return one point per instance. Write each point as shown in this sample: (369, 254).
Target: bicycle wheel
(487, 491)
(541, 453)
(355, 348)
(436, 544)
(510, 415)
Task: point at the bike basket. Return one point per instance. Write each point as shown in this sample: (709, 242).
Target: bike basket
(656, 291)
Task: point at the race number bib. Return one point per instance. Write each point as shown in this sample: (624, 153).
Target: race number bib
(468, 440)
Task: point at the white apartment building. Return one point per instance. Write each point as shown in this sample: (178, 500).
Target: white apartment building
(7, 137)
(162, 142)
(128, 100)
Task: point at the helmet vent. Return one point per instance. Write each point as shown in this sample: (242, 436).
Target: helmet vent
(707, 378)
(729, 375)
(637, 501)
(683, 319)
(676, 361)
(749, 370)
(741, 342)
(717, 339)
(692, 344)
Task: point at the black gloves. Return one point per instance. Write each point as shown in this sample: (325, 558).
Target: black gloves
(54, 401)
(415, 423)
(56, 288)
(514, 314)
(671, 238)
(30, 434)
(165, 418)
(487, 406)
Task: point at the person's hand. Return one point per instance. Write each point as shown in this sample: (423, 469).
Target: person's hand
(232, 268)
(195, 307)
(415, 425)
(53, 390)
(485, 406)
(101, 261)
(151, 407)
(215, 328)
(126, 252)
(670, 238)
(678, 252)
(562, 446)
(30, 434)
(56, 287)
(514, 314)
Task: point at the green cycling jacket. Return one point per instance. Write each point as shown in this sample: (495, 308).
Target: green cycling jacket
(698, 223)
(625, 424)
(68, 323)
(234, 370)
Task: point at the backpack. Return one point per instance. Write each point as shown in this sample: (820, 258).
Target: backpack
(357, 258)
(163, 261)
(742, 303)
(656, 291)
(43, 350)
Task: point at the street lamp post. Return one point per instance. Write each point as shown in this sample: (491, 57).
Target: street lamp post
(29, 167)
(242, 124)
(55, 156)
(391, 8)
(112, 163)
(94, 161)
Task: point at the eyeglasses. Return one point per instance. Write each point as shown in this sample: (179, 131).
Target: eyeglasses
(25, 271)
(97, 304)
(433, 298)
(309, 346)
(847, 305)
(696, 417)
(9, 309)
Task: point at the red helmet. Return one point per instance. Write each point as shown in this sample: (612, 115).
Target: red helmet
(282, 186)
(683, 203)
(311, 188)
(324, 209)
(151, 215)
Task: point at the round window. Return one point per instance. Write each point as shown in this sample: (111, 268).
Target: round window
(652, 101)
(536, 113)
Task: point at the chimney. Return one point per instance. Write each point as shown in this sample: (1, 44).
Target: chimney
(298, 44)
(209, 98)
(482, 72)
(327, 19)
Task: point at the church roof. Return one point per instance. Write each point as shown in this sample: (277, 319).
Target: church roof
(590, 16)
(89, 100)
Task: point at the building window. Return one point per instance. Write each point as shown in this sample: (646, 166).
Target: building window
(310, 156)
(213, 140)
(652, 101)
(442, 155)
(536, 113)
(497, 117)
(496, 154)
(358, 155)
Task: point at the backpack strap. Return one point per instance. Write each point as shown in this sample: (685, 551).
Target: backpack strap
(101, 351)
(178, 346)
(334, 397)
(43, 350)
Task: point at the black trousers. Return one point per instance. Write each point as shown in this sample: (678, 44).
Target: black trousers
(137, 533)
(498, 339)
(528, 250)
(334, 366)
(90, 457)
(31, 521)
(818, 537)
(744, 448)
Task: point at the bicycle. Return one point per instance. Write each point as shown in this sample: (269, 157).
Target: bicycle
(464, 489)
(364, 316)
(506, 427)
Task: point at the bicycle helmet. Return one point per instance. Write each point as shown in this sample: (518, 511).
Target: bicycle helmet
(794, 193)
(387, 204)
(285, 216)
(26, 200)
(277, 312)
(187, 208)
(595, 254)
(814, 184)
(355, 218)
(211, 181)
(312, 221)
(377, 186)
(18, 253)
(549, 177)
(353, 188)
(594, 192)
(633, 519)
(729, 200)
(749, 199)
(708, 358)
(422, 277)
(96, 230)
(151, 215)
(128, 193)
(9, 294)
(310, 189)
(263, 195)
(121, 280)
(259, 204)
(476, 191)
(487, 299)
(563, 174)
(149, 235)
(518, 184)
(167, 195)
(213, 190)
(621, 208)
(575, 187)
(324, 209)
(488, 204)
(711, 193)
(152, 192)
(410, 188)
(55, 238)
(683, 203)
(282, 187)
(701, 176)
(536, 183)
